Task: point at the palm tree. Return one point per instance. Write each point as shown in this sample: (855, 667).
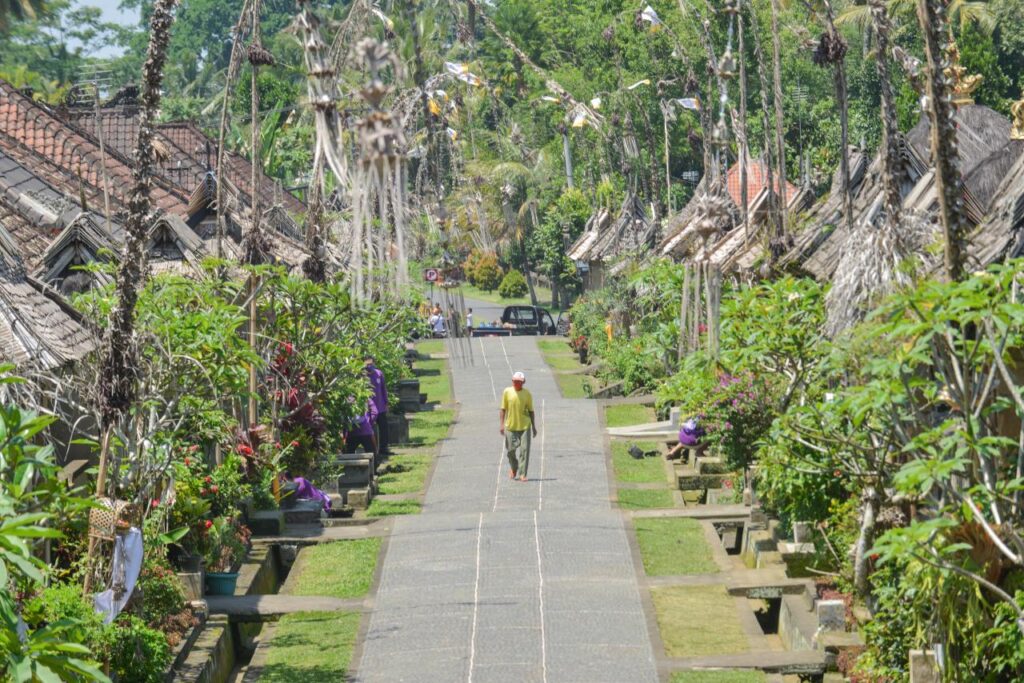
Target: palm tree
(20, 10)
(963, 12)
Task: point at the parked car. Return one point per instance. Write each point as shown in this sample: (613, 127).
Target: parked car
(520, 321)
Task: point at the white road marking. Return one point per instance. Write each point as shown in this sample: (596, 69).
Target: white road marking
(543, 434)
(507, 361)
(497, 482)
(476, 598)
(540, 591)
(494, 390)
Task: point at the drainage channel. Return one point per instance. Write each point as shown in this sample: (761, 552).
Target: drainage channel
(224, 648)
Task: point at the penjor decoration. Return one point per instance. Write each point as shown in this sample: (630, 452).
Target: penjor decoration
(378, 187)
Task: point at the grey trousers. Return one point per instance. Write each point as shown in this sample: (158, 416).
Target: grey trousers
(518, 441)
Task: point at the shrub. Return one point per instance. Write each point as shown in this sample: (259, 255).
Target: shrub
(513, 285)
(162, 595)
(487, 273)
(138, 653)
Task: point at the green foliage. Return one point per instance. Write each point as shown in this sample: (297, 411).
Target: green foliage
(485, 272)
(137, 653)
(32, 501)
(163, 596)
(513, 285)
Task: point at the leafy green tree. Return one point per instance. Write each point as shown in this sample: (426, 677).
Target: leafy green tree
(513, 285)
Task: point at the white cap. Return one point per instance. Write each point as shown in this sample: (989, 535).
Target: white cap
(518, 376)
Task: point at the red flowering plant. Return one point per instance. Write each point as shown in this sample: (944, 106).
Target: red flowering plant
(225, 542)
(735, 414)
(201, 494)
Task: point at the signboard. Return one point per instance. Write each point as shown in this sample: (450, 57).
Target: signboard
(431, 275)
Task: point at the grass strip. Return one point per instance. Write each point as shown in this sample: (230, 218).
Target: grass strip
(645, 499)
(311, 646)
(628, 415)
(434, 380)
(562, 363)
(698, 620)
(722, 676)
(429, 427)
(555, 347)
(629, 469)
(572, 386)
(674, 546)
(405, 474)
(429, 347)
(343, 569)
(389, 508)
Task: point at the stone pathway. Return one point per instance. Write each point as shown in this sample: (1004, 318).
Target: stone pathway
(506, 581)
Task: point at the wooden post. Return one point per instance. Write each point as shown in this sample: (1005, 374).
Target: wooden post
(682, 312)
(101, 484)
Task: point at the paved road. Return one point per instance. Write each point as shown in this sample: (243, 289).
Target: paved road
(505, 581)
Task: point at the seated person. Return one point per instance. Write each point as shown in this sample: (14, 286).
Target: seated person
(437, 325)
(304, 490)
(690, 434)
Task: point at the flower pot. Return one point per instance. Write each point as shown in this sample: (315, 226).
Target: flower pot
(221, 583)
(184, 560)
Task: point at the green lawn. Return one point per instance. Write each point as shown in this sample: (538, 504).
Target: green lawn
(629, 469)
(555, 347)
(311, 646)
(430, 426)
(572, 386)
(673, 546)
(543, 297)
(403, 474)
(387, 508)
(628, 415)
(644, 499)
(343, 569)
(731, 676)
(562, 362)
(698, 620)
(434, 380)
(430, 346)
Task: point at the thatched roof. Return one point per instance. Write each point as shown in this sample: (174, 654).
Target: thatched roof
(37, 327)
(985, 153)
(632, 232)
(1001, 234)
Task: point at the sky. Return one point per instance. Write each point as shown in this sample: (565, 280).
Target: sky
(111, 10)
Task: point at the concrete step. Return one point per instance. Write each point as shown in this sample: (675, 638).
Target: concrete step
(711, 465)
(356, 473)
(807, 662)
(690, 480)
(249, 608)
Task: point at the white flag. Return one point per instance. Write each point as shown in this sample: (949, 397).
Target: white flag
(650, 16)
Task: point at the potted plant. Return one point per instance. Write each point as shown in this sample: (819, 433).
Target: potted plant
(226, 544)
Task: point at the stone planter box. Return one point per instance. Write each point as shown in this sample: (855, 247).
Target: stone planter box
(398, 429)
(409, 395)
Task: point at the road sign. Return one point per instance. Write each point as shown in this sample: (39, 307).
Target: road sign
(431, 275)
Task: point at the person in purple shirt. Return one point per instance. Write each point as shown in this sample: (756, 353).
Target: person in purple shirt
(362, 433)
(304, 490)
(378, 385)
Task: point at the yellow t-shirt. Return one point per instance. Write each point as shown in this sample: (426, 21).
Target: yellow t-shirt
(517, 406)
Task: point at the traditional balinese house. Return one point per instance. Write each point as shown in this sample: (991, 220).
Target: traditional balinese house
(187, 158)
(582, 251)
(1001, 235)
(38, 329)
(986, 155)
(609, 243)
(733, 244)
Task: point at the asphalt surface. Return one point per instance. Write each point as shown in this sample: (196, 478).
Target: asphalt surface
(506, 581)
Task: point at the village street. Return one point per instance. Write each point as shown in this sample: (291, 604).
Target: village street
(506, 581)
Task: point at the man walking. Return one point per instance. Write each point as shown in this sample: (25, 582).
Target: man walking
(517, 424)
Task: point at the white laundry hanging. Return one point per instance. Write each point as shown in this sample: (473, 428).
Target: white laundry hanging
(123, 575)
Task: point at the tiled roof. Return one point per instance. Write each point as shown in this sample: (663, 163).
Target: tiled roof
(757, 180)
(189, 152)
(42, 132)
(30, 240)
(188, 137)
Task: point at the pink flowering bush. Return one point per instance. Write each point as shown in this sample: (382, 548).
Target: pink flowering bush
(736, 413)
